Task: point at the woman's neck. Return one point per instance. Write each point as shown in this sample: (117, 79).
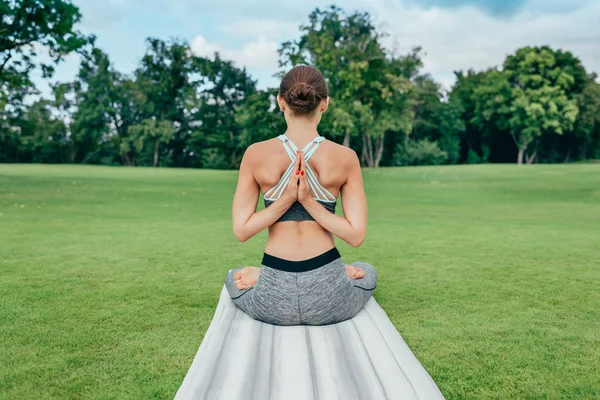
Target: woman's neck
(302, 131)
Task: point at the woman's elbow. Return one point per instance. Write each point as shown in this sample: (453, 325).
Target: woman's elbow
(357, 240)
(241, 234)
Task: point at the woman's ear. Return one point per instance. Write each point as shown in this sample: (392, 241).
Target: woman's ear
(324, 104)
(281, 103)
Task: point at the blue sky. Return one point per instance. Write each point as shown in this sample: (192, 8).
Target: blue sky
(454, 34)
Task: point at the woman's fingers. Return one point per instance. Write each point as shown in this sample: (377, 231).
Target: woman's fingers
(296, 171)
(303, 187)
(299, 158)
(293, 182)
(302, 176)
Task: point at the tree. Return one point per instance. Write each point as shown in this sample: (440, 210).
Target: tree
(587, 125)
(342, 47)
(475, 143)
(44, 137)
(178, 109)
(153, 131)
(28, 27)
(225, 89)
(258, 118)
(533, 96)
(436, 120)
(165, 80)
(106, 103)
(368, 86)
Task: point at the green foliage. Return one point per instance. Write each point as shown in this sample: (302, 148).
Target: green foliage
(420, 152)
(259, 118)
(106, 104)
(437, 120)
(533, 96)
(475, 138)
(27, 28)
(214, 159)
(30, 25)
(150, 132)
(43, 137)
(585, 139)
(225, 90)
(178, 109)
(370, 87)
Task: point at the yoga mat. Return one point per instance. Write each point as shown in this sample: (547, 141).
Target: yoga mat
(361, 358)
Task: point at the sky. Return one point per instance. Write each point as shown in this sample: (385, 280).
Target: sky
(454, 34)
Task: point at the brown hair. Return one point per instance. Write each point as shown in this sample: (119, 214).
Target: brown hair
(303, 88)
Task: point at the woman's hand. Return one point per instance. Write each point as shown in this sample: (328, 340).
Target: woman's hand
(303, 186)
(247, 222)
(352, 227)
(290, 193)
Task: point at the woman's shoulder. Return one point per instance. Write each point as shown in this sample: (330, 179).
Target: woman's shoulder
(343, 154)
(259, 149)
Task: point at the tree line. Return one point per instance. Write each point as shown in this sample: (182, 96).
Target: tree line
(178, 109)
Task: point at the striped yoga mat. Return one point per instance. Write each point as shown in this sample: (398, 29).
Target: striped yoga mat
(361, 358)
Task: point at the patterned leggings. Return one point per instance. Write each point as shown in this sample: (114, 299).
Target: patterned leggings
(316, 291)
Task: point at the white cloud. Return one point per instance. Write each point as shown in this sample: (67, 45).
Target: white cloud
(466, 37)
(202, 48)
(452, 39)
(258, 53)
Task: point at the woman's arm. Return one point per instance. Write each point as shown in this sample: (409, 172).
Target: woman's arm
(352, 227)
(246, 221)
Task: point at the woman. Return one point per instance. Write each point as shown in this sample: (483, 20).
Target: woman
(303, 280)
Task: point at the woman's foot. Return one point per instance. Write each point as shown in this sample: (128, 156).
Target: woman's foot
(246, 277)
(354, 272)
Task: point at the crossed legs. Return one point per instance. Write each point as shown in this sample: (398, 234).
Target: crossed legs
(248, 276)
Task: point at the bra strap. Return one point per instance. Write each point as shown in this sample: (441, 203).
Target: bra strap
(315, 185)
(308, 150)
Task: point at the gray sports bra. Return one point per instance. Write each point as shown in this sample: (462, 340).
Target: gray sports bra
(297, 212)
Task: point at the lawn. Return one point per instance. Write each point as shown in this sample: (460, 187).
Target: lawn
(110, 276)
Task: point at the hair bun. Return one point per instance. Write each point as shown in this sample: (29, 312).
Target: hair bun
(302, 98)
(303, 88)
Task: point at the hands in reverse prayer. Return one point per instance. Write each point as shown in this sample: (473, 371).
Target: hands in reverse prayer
(298, 189)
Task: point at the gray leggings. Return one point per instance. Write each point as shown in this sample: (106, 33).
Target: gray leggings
(321, 296)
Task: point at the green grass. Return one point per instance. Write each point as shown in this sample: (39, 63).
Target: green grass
(110, 276)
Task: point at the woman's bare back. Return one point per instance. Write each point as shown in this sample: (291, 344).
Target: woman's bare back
(301, 223)
(328, 163)
(299, 240)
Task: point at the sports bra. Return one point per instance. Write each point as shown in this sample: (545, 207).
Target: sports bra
(297, 212)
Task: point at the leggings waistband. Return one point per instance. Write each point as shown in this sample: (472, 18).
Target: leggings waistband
(302, 265)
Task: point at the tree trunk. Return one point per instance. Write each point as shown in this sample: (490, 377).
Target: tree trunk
(363, 153)
(156, 152)
(521, 153)
(568, 155)
(72, 152)
(367, 150)
(531, 159)
(8, 57)
(346, 139)
(379, 143)
(128, 161)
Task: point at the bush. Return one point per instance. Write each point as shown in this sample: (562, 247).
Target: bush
(214, 159)
(473, 157)
(420, 152)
